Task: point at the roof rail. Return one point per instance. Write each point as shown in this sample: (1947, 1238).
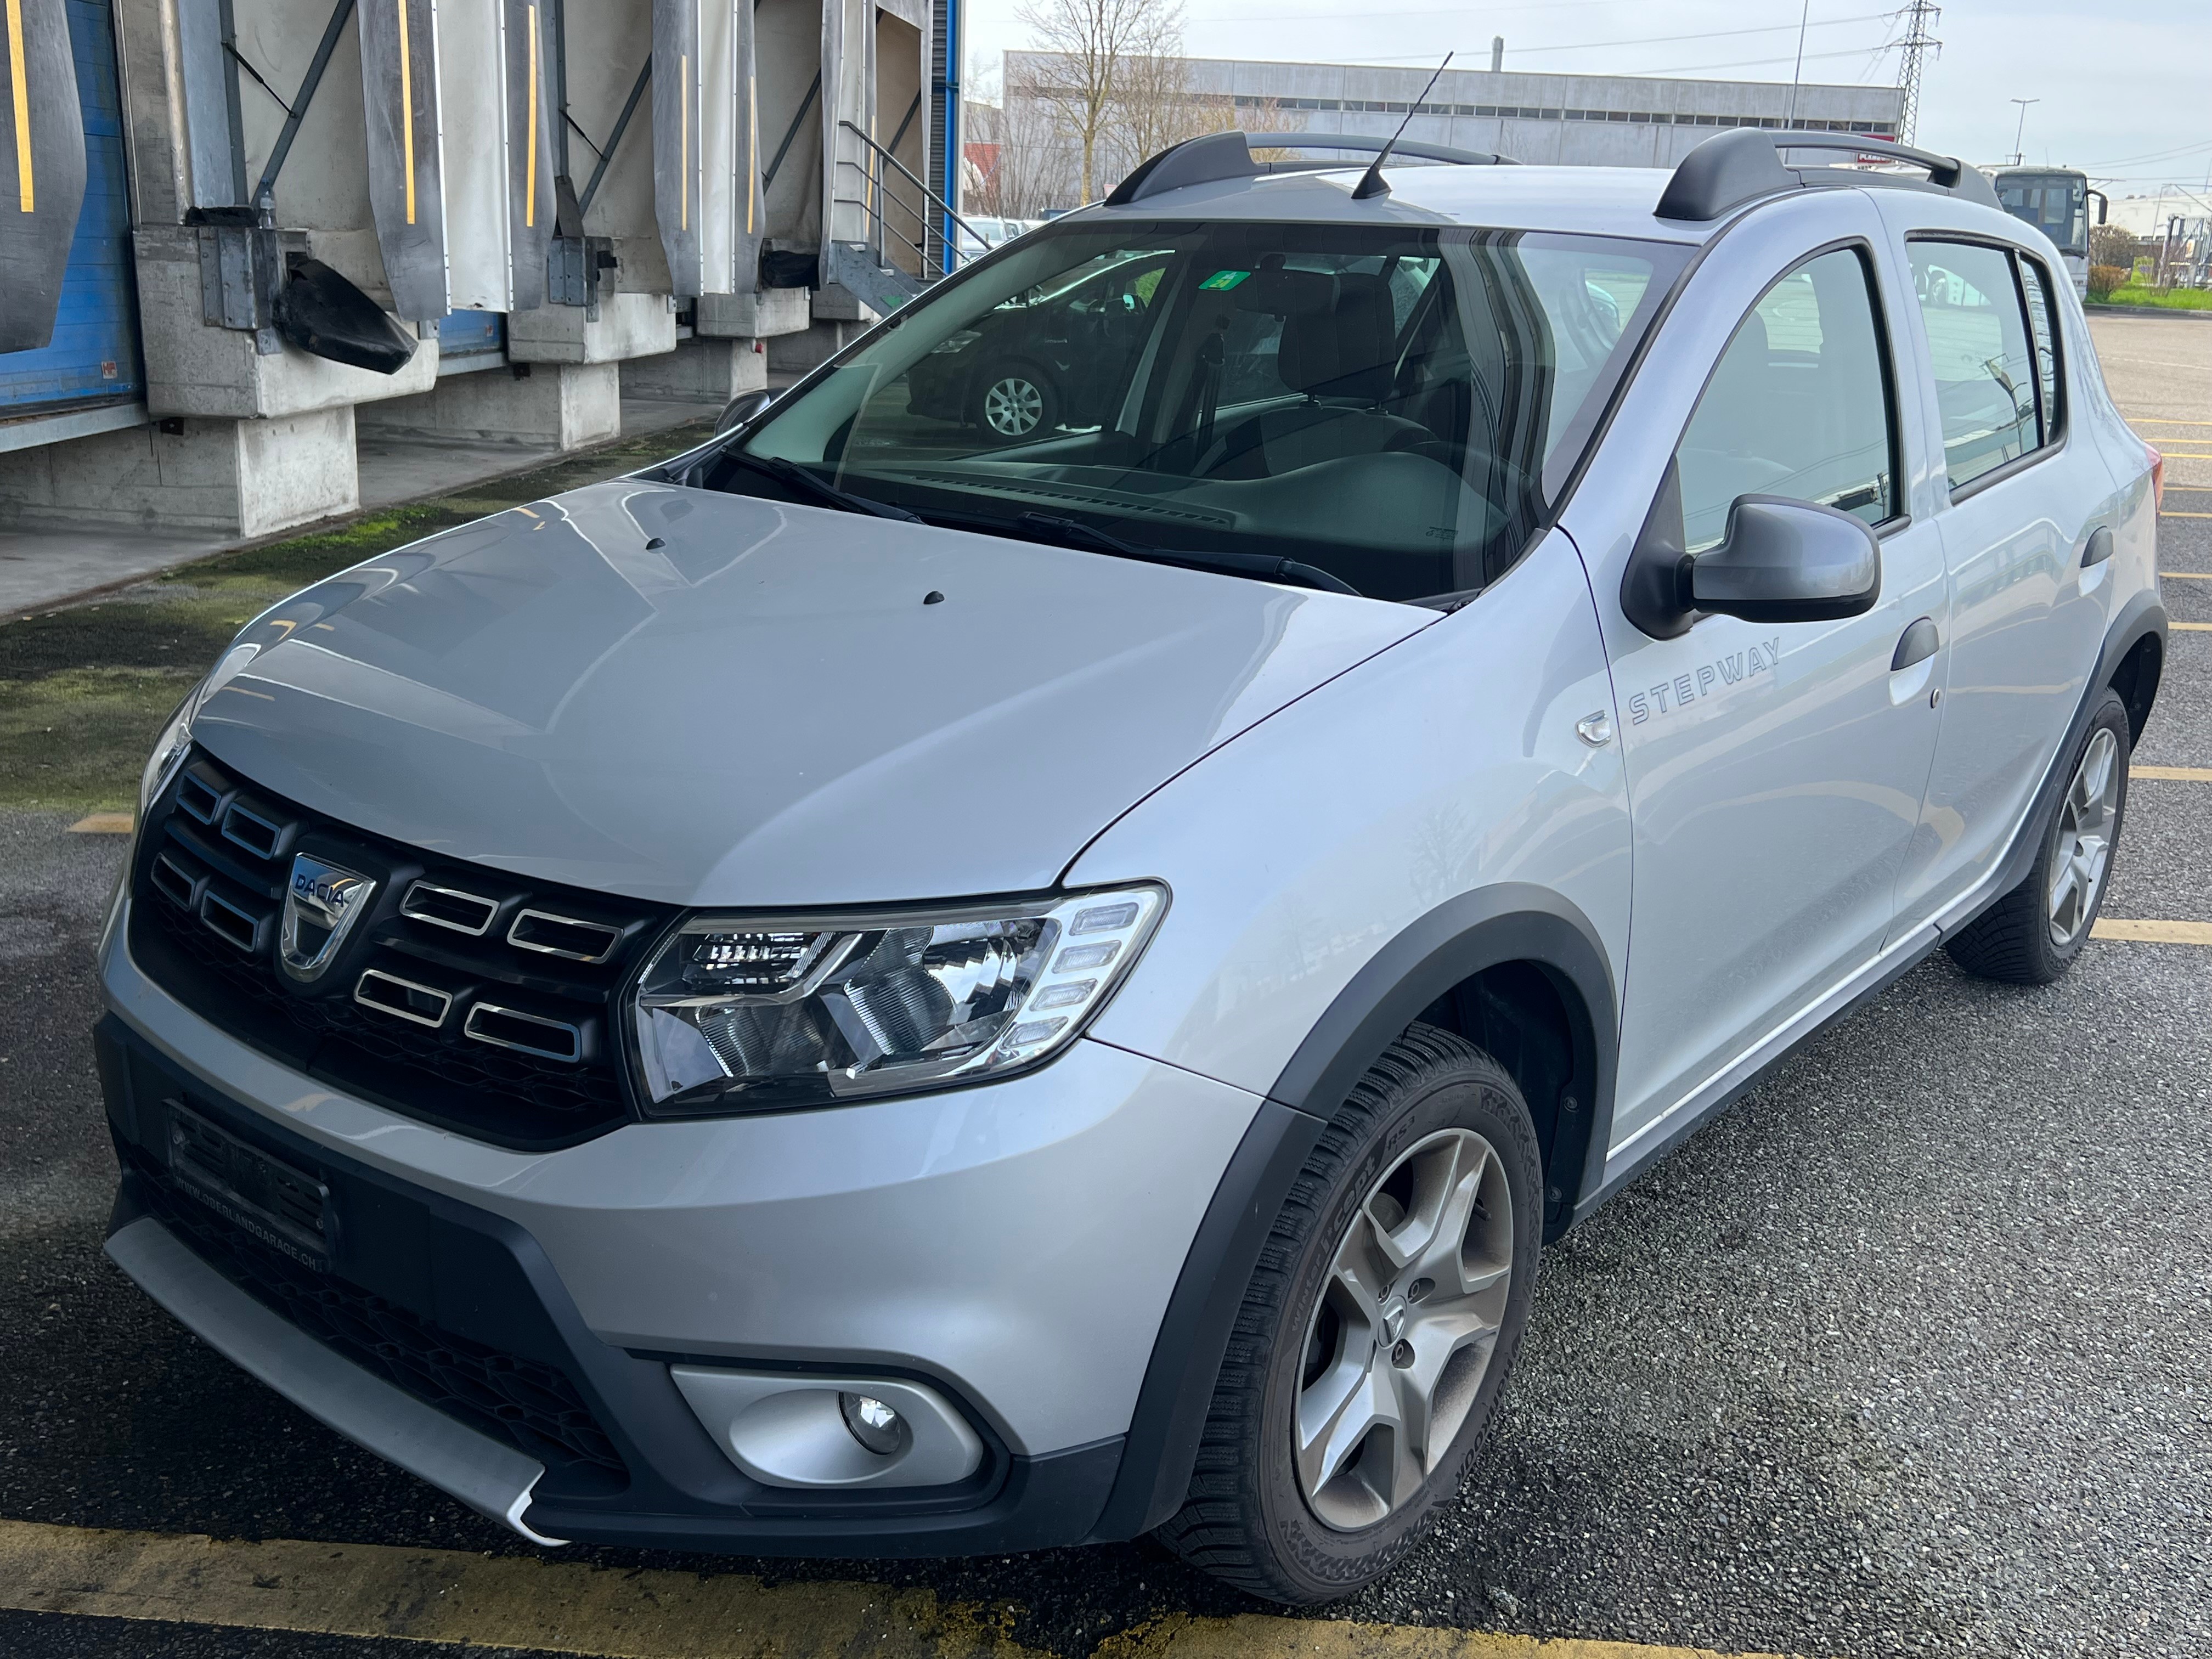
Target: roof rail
(1731, 168)
(1220, 155)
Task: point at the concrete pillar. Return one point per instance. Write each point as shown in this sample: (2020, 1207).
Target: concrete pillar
(241, 478)
(795, 354)
(756, 316)
(566, 405)
(708, 371)
(628, 325)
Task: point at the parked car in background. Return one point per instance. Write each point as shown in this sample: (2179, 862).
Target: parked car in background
(1041, 359)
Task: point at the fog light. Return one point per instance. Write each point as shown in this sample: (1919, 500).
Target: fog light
(873, 1423)
(795, 1429)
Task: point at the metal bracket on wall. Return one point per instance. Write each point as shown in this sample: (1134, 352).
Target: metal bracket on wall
(242, 266)
(575, 264)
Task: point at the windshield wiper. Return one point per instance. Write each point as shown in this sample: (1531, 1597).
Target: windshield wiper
(798, 477)
(1240, 564)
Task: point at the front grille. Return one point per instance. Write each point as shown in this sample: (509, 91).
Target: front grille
(526, 1402)
(462, 996)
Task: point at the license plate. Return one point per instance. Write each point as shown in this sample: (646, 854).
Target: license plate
(284, 1207)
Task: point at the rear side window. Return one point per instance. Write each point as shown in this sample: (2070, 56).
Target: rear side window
(1798, 406)
(1987, 375)
(2042, 327)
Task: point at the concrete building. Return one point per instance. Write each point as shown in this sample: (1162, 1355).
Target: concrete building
(243, 236)
(1580, 120)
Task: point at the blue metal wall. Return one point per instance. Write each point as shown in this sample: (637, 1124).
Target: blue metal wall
(94, 354)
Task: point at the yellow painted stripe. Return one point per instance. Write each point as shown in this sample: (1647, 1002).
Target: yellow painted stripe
(2185, 515)
(102, 824)
(2153, 933)
(684, 141)
(530, 140)
(2185, 575)
(406, 111)
(2173, 774)
(450, 1596)
(26, 193)
(752, 149)
(2194, 628)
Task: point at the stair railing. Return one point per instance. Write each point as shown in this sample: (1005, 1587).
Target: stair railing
(877, 196)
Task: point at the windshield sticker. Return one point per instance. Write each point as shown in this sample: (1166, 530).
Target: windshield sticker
(1224, 280)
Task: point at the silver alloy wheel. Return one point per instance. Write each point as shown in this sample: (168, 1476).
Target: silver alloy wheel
(1402, 1333)
(1012, 406)
(2085, 837)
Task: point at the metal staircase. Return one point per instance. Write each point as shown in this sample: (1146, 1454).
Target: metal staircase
(901, 235)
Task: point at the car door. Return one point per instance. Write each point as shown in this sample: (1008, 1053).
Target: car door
(2020, 503)
(1775, 770)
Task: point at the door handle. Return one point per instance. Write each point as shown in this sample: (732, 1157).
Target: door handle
(1917, 644)
(2097, 548)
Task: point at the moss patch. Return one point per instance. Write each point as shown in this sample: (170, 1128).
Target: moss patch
(74, 740)
(83, 691)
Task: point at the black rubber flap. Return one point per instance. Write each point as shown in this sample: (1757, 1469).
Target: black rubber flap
(789, 268)
(42, 170)
(322, 313)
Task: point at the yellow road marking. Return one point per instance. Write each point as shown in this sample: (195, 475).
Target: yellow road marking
(2153, 933)
(27, 194)
(2185, 575)
(2169, 513)
(2194, 628)
(2173, 774)
(103, 824)
(454, 1596)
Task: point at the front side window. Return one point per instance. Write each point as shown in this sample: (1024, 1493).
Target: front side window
(1986, 374)
(1797, 407)
(1395, 408)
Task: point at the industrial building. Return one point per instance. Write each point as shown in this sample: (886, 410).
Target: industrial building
(236, 236)
(1576, 120)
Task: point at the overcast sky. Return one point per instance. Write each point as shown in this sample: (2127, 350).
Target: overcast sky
(2126, 97)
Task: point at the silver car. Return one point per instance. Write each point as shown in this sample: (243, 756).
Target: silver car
(865, 991)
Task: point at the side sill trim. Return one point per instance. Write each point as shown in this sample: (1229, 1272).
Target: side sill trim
(1655, 1137)
(493, 1480)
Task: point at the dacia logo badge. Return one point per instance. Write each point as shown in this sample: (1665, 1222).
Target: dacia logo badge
(320, 907)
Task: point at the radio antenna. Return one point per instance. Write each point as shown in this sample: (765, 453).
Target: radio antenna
(1372, 183)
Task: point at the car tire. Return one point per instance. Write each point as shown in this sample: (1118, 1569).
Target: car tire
(2032, 935)
(1305, 1523)
(1014, 403)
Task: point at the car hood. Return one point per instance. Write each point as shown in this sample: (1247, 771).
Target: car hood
(709, 699)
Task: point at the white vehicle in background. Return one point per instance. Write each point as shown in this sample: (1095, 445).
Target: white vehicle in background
(2055, 201)
(979, 236)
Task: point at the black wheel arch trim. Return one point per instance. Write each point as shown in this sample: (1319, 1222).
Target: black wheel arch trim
(2141, 618)
(1492, 926)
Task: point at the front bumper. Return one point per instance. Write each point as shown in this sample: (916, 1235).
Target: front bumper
(1014, 1246)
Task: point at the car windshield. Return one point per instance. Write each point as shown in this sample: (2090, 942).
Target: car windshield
(1394, 410)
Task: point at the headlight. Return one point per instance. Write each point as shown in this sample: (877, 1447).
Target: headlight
(753, 1013)
(169, 751)
(952, 342)
(176, 739)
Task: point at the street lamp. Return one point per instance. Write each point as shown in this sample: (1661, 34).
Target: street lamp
(2020, 155)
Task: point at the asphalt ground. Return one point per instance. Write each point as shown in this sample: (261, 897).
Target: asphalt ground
(1905, 1354)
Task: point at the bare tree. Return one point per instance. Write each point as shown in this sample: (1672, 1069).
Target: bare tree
(1088, 47)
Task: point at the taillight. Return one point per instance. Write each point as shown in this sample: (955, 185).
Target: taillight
(2157, 478)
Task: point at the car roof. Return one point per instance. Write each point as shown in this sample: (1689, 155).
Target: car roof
(1602, 201)
(1217, 178)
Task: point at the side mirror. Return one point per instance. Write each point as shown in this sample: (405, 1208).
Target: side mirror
(1785, 560)
(741, 408)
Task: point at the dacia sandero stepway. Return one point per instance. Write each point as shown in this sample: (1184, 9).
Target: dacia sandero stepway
(896, 984)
